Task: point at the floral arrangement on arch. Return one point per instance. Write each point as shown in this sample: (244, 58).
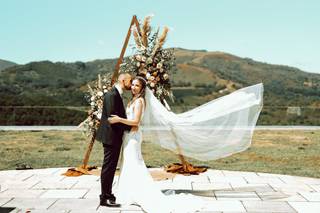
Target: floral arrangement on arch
(151, 61)
(95, 96)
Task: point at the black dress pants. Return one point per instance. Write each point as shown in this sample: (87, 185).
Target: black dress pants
(110, 160)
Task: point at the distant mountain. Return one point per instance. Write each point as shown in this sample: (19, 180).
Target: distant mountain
(5, 64)
(291, 96)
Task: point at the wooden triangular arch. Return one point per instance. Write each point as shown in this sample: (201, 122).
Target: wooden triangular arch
(183, 168)
(115, 74)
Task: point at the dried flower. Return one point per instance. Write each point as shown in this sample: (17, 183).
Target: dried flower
(100, 93)
(138, 57)
(165, 76)
(149, 60)
(148, 76)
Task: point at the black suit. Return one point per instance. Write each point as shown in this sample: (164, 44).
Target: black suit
(111, 138)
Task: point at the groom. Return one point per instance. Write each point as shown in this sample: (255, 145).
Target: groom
(111, 137)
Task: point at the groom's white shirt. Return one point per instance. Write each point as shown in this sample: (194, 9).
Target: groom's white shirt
(120, 90)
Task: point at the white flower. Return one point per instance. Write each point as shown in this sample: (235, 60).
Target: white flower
(152, 78)
(104, 87)
(91, 123)
(138, 57)
(143, 59)
(152, 84)
(92, 103)
(159, 65)
(148, 75)
(142, 48)
(138, 64)
(92, 98)
(165, 76)
(99, 115)
(105, 90)
(100, 93)
(149, 60)
(161, 70)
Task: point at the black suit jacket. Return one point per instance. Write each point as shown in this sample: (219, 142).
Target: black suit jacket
(111, 134)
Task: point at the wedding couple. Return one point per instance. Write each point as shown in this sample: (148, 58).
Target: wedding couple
(135, 185)
(213, 130)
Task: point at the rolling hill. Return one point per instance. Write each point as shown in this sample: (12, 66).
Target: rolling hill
(291, 96)
(5, 64)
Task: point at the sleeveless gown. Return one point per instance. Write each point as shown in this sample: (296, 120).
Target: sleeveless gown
(136, 186)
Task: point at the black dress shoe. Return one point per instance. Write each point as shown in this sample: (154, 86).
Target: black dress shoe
(109, 203)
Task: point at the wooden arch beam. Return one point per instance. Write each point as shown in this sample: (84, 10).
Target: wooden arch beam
(134, 21)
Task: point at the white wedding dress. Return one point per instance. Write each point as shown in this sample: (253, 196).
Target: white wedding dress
(217, 129)
(136, 186)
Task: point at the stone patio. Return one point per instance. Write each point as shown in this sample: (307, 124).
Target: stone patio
(46, 190)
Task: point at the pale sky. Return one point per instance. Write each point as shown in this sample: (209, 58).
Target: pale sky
(285, 32)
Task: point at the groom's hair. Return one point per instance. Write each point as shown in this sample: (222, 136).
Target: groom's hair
(123, 76)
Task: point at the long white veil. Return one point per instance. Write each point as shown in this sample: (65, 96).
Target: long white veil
(217, 129)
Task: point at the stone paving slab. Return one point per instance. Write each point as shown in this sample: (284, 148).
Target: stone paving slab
(316, 187)
(223, 206)
(11, 184)
(291, 187)
(87, 184)
(262, 206)
(92, 193)
(257, 179)
(3, 201)
(211, 186)
(236, 195)
(315, 196)
(55, 184)
(46, 190)
(261, 187)
(306, 207)
(30, 203)
(21, 193)
(64, 193)
(46, 177)
(75, 204)
(280, 196)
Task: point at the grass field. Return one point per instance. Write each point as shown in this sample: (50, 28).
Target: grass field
(283, 152)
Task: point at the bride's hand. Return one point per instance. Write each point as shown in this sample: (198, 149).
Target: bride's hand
(114, 119)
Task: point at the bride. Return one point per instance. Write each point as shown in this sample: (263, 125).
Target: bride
(135, 184)
(216, 129)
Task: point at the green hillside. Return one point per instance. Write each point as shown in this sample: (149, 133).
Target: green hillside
(5, 64)
(200, 76)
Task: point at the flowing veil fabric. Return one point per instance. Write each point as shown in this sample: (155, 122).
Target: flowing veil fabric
(217, 129)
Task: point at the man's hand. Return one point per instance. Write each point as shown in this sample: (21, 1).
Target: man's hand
(114, 119)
